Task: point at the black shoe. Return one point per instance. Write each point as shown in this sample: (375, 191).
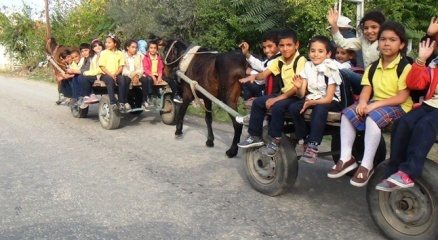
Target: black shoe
(177, 98)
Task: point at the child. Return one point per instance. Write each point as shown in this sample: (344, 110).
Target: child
(74, 69)
(383, 99)
(415, 132)
(111, 62)
(90, 72)
(370, 25)
(321, 79)
(153, 70)
(344, 58)
(270, 49)
(133, 70)
(65, 80)
(278, 103)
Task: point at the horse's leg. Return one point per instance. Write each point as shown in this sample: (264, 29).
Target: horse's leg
(232, 102)
(208, 121)
(180, 118)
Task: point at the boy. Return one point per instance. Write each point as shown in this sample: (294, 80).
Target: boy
(74, 69)
(278, 103)
(65, 80)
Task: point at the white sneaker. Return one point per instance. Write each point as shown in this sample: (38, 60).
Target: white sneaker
(244, 120)
(146, 106)
(127, 107)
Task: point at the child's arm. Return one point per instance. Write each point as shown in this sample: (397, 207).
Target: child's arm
(259, 76)
(347, 43)
(398, 99)
(419, 76)
(301, 85)
(331, 88)
(105, 71)
(288, 94)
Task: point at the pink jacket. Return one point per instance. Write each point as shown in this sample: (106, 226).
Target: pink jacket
(147, 65)
(422, 77)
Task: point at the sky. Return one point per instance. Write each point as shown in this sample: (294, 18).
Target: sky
(37, 5)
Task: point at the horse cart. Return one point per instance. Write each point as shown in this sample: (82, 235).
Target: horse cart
(110, 118)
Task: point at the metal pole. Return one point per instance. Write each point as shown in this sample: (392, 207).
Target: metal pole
(200, 89)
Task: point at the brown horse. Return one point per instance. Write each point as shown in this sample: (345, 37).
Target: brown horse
(218, 74)
(54, 51)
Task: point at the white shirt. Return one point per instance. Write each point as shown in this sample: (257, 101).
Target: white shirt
(258, 66)
(344, 65)
(315, 76)
(369, 50)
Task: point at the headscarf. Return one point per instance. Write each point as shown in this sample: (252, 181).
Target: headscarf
(142, 44)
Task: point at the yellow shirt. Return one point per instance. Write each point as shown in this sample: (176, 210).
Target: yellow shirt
(94, 69)
(154, 67)
(74, 66)
(386, 84)
(287, 71)
(111, 60)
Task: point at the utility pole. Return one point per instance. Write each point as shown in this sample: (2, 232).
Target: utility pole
(48, 28)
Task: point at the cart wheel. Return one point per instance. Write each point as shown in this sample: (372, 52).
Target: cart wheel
(272, 175)
(109, 118)
(410, 213)
(78, 112)
(169, 111)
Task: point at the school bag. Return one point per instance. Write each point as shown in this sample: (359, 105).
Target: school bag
(345, 91)
(274, 84)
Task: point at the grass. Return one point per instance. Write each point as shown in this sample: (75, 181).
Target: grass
(219, 115)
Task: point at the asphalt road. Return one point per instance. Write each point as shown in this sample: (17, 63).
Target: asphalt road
(67, 178)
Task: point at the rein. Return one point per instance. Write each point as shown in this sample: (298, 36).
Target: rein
(182, 55)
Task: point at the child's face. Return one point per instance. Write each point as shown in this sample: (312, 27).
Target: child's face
(342, 55)
(85, 52)
(318, 52)
(269, 48)
(371, 30)
(288, 47)
(110, 44)
(390, 43)
(68, 60)
(153, 48)
(97, 48)
(75, 57)
(132, 49)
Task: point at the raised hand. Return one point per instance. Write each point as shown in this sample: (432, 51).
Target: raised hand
(245, 49)
(426, 49)
(332, 17)
(433, 27)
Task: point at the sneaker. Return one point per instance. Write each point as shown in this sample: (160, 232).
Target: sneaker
(146, 106)
(93, 98)
(341, 168)
(310, 155)
(122, 107)
(386, 186)
(361, 177)
(243, 120)
(177, 98)
(401, 179)
(251, 141)
(272, 148)
(114, 107)
(127, 107)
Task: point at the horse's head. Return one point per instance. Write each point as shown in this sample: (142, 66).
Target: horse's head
(173, 52)
(51, 45)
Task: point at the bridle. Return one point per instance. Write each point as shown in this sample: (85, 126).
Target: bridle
(168, 52)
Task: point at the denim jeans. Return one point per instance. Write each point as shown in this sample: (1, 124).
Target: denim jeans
(411, 140)
(110, 84)
(258, 112)
(353, 78)
(76, 87)
(66, 87)
(146, 87)
(85, 83)
(317, 122)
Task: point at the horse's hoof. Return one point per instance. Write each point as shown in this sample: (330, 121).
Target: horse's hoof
(178, 136)
(209, 143)
(232, 152)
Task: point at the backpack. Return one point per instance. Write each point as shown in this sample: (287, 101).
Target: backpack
(277, 81)
(415, 94)
(345, 91)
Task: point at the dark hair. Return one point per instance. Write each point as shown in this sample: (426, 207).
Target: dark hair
(75, 50)
(84, 46)
(64, 54)
(322, 39)
(375, 16)
(287, 33)
(97, 42)
(129, 42)
(398, 29)
(155, 42)
(115, 40)
(271, 36)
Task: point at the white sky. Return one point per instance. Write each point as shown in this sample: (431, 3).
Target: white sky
(37, 5)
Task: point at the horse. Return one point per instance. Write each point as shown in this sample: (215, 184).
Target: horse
(218, 73)
(54, 51)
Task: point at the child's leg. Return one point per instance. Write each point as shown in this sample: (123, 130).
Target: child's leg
(298, 119)
(350, 121)
(76, 87)
(319, 119)
(123, 83)
(354, 79)
(400, 137)
(146, 87)
(86, 82)
(258, 112)
(277, 116)
(109, 81)
(423, 137)
(372, 140)
(173, 85)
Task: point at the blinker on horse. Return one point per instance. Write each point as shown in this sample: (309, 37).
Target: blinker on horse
(218, 73)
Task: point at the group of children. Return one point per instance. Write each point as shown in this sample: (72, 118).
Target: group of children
(293, 84)
(121, 69)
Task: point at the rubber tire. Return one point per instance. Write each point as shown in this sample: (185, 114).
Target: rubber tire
(427, 184)
(286, 168)
(169, 118)
(78, 112)
(114, 116)
(135, 99)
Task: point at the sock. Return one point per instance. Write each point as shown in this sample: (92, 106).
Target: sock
(348, 134)
(372, 139)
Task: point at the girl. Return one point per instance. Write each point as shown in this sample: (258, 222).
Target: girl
(416, 132)
(370, 25)
(383, 99)
(344, 58)
(320, 79)
(133, 70)
(90, 72)
(111, 63)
